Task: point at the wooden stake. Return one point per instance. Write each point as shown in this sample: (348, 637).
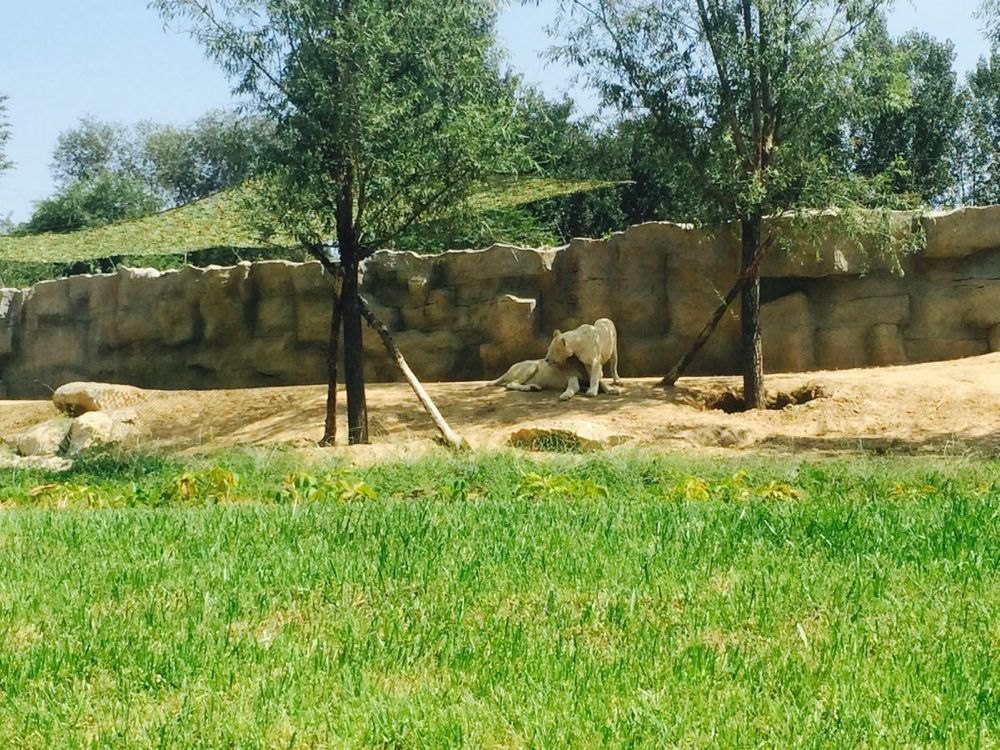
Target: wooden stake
(452, 438)
(682, 364)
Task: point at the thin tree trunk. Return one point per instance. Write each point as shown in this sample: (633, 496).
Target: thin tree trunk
(330, 427)
(751, 350)
(451, 437)
(354, 377)
(682, 364)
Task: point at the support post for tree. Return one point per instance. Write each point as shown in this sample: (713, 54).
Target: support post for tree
(330, 425)
(452, 438)
(682, 364)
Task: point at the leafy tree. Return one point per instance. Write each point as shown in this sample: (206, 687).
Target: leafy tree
(219, 151)
(561, 145)
(978, 161)
(5, 163)
(91, 149)
(101, 199)
(386, 113)
(180, 164)
(746, 95)
(989, 12)
(906, 129)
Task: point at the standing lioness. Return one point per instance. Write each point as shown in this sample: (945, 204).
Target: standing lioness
(593, 345)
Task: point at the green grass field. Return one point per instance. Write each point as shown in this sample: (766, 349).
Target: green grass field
(497, 602)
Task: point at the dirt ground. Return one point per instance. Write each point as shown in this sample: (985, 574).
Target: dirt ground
(940, 408)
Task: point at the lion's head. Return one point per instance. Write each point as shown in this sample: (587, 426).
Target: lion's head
(559, 349)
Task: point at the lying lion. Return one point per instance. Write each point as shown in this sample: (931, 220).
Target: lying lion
(538, 375)
(592, 345)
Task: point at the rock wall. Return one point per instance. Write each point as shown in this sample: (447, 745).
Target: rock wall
(469, 314)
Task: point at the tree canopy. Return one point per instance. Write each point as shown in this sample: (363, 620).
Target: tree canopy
(5, 163)
(385, 113)
(748, 99)
(102, 199)
(990, 13)
(904, 130)
(977, 172)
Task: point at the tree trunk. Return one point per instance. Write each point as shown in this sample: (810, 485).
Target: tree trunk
(354, 377)
(330, 427)
(682, 364)
(751, 351)
(450, 436)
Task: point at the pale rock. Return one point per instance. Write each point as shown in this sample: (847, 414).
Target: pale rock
(81, 397)
(101, 428)
(45, 439)
(38, 463)
(962, 232)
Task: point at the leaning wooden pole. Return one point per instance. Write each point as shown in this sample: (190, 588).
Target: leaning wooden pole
(452, 438)
(744, 278)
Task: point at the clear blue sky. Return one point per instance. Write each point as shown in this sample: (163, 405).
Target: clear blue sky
(63, 59)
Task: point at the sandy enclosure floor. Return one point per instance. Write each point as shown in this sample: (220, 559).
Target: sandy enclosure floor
(936, 408)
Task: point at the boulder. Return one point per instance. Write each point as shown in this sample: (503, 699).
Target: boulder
(45, 439)
(98, 428)
(962, 232)
(81, 397)
(43, 463)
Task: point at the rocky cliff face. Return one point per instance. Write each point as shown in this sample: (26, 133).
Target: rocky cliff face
(469, 314)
